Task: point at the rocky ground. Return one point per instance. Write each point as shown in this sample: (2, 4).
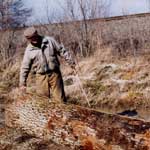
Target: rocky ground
(72, 126)
(112, 85)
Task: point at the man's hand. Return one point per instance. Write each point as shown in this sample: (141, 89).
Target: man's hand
(23, 89)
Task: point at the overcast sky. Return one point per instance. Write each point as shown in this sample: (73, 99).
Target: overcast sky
(118, 7)
(129, 6)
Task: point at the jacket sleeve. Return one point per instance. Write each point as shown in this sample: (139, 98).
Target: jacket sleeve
(63, 52)
(25, 68)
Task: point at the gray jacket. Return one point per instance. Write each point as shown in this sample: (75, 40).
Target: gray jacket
(33, 57)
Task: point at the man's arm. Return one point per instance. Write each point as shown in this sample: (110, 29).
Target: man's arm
(63, 52)
(25, 68)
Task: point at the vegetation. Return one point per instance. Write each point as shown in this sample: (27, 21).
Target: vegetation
(113, 56)
(13, 14)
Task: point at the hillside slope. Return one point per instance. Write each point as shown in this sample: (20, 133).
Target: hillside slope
(75, 127)
(113, 85)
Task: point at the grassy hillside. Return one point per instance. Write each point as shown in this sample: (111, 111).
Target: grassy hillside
(111, 84)
(115, 74)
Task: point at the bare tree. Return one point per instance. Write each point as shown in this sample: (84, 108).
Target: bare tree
(13, 14)
(74, 17)
(84, 10)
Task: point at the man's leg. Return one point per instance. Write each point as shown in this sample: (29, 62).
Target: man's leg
(57, 87)
(42, 86)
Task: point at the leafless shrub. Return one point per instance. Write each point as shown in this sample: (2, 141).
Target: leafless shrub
(123, 46)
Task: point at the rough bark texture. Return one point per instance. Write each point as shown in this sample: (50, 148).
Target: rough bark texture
(76, 127)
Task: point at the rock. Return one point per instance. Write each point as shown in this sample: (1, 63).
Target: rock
(131, 113)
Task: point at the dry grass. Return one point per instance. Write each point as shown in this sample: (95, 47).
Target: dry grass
(114, 86)
(111, 85)
(9, 78)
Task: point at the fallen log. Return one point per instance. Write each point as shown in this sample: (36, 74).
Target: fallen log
(76, 127)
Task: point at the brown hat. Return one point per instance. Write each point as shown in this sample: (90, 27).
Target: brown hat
(30, 32)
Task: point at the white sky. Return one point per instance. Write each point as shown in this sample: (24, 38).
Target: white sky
(118, 7)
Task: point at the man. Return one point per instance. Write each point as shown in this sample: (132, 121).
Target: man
(42, 56)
